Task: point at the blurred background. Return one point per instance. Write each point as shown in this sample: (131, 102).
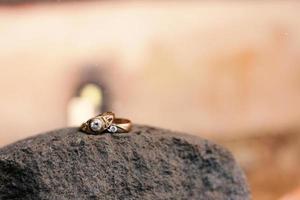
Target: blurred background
(228, 71)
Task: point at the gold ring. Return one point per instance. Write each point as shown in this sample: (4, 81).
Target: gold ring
(98, 124)
(120, 125)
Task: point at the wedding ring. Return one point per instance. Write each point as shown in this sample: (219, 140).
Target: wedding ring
(120, 125)
(98, 124)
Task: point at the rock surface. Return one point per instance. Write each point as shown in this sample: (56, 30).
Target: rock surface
(148, 163)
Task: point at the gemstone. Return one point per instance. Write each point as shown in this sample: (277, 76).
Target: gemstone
(96, 124)
(112, 129)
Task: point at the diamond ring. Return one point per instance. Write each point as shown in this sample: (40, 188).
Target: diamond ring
(106, 122)
(98, 124)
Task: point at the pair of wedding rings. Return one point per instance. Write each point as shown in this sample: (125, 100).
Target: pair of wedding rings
(106, 122)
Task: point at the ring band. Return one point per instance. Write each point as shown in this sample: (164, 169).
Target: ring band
(120, 125)
(98, 124)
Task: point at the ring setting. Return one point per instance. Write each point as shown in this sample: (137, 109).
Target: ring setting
(113, 128)
(106, 122)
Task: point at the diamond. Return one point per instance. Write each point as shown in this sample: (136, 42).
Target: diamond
(96, 124)
(112, 129)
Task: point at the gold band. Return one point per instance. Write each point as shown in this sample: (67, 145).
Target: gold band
(120, 125)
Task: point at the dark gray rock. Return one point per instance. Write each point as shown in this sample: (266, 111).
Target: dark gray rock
(148, 163)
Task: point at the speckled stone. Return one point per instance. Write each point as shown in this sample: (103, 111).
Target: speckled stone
(148, 163)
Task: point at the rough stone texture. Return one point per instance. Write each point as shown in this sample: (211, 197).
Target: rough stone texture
(148, 163)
